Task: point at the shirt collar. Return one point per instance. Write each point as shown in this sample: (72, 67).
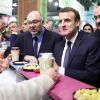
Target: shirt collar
(40, 35)
(73, 39)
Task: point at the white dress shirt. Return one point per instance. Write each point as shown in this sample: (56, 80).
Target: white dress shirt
(62, 69)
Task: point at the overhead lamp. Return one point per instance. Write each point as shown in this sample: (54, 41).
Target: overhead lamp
(50, 0)
(56, 4)
(15, 4)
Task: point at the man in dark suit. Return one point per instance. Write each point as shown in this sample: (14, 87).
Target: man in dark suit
(37, 34)
(83, 58)
(97, 21)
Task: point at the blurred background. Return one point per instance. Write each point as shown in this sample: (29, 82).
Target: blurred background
(48, 8)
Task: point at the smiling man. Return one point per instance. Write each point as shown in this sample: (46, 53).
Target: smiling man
(78, 55)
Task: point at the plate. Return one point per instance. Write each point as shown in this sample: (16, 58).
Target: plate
(84, 93)
(19, 62)
(31, 67)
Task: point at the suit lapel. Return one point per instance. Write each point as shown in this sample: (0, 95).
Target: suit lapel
(61, 48)
(45, 40)
(29, 43)
(59, 51)
(75, 48)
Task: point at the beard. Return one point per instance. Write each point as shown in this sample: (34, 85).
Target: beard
(98, 25)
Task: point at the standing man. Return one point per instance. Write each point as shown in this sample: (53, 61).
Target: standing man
(13, 31)
(78, 53)
(37, 40)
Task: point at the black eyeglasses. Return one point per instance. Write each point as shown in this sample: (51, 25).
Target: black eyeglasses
(33, 21)
(96, 17)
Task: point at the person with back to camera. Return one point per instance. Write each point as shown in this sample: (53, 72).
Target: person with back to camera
(33, 89)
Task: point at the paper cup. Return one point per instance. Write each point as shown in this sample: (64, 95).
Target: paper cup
(15, 54)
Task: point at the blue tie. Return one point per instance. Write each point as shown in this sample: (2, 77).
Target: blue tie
(67, 54)
(35, 48)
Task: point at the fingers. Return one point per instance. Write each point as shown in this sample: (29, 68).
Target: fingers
(1, 54)
(31, 59)
(9, 57)
(1, 69)
(4, 64)
(53, 73)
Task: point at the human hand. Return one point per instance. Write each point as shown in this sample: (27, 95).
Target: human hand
(4, 64)
(53, 73)
(9, 57)
(1, 54)
(30, 59)
(56, 65)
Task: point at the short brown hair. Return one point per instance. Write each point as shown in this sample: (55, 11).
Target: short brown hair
(68, 9)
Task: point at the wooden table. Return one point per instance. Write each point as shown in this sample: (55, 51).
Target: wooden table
(64, 89)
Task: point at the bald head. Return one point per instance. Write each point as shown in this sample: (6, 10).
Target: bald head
(34, 15)
(34, 22)
(97, 17)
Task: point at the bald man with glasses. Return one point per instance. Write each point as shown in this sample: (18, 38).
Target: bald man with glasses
(37, 38)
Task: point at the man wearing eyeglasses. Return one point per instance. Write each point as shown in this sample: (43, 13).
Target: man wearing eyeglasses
(97, 21)
(37, 40)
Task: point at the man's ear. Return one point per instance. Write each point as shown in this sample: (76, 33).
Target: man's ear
(78, 23)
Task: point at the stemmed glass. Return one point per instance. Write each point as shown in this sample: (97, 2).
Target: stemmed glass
(3, 47)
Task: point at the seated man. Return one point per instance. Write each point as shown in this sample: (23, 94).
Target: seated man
(79, 52)
(37, 40)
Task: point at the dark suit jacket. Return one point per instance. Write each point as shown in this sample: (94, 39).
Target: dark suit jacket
(84, 60)
(97, 34)
(25, 43)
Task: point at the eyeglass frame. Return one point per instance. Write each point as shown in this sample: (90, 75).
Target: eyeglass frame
(33, 21)
(96, 17)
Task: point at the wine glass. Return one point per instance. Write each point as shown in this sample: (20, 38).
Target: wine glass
(3, 47)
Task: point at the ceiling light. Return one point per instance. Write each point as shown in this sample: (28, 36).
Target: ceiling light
(56, 3)
(50, 0)
(15, 4)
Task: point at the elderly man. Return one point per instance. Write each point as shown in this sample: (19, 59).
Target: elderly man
(78, 55)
